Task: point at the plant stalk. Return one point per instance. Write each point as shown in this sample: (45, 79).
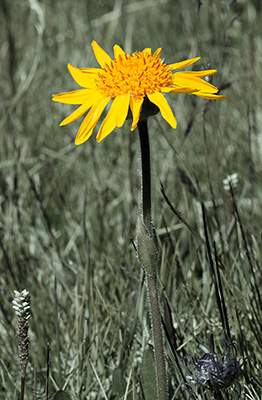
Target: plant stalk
(22, 392)
(152, 288)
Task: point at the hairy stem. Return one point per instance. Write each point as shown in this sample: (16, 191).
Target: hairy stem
(157, 336)
(151, 272)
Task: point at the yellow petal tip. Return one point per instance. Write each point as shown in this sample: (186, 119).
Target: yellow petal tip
(79, 140)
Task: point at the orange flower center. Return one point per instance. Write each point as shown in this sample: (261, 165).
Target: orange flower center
(139, 74)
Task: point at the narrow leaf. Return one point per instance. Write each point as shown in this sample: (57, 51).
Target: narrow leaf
(148, 377)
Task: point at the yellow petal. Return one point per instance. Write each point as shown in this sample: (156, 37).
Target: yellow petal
(179, 89)
(122, 104)
(147, 50)
(76, 114)
(160, 101)
(157, 53)
(74, 97)
(183, 64)
(83, 79)
(136, 107)
(191, 81)
(90, 71)
(109, 123)
(210, 96)
(201, 74)
(167, 89)
(118, 51)
(101, 56)
(90, 121)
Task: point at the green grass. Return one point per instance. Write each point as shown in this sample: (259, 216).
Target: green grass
(68, 213)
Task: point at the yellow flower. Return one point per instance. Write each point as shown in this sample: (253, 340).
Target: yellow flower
(126, 81)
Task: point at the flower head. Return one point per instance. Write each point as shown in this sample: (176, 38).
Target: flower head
(126, 81)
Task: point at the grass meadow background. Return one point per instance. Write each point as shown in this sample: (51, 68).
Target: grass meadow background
(68, 213)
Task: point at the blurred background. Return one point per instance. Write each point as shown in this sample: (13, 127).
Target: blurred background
(68, 213)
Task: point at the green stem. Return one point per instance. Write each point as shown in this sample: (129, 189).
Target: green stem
(160, 366)
(152, 288)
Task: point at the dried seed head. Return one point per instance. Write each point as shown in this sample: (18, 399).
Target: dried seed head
(21, 305)
(230, 180)
(215, 372)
